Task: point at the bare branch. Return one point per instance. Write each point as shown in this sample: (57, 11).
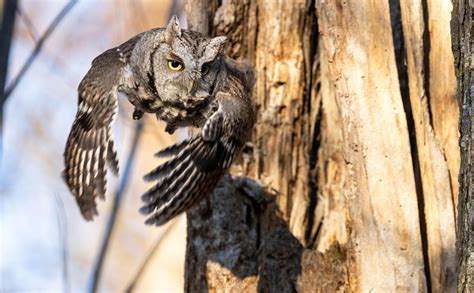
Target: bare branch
(5, 40)
(37, 49)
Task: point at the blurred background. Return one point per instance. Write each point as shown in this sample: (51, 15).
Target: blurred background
(45, 244)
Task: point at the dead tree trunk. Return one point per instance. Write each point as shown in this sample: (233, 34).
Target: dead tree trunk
(462, 47)
(354, 156)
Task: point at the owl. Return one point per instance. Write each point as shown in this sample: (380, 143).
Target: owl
(185, 79)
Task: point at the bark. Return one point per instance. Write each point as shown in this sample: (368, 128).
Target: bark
(352, 157)
(462, 41)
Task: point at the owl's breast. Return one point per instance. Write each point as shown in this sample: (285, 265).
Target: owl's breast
(141, 98)
(181, 117)
(178, 111)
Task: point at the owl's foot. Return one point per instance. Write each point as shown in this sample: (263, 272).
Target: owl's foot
(170, 128)
(137, 114)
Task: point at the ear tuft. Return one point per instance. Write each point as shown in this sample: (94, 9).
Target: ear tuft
(214, 48)
(172, 29)
(217, 43)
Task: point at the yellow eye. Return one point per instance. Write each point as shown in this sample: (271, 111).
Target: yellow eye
(175, 65)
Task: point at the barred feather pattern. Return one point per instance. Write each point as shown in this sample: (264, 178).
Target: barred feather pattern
(209, 91)
(192, 172)
(89, 147)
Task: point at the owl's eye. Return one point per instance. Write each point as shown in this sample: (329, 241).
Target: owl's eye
(205, 69)
(175, 65)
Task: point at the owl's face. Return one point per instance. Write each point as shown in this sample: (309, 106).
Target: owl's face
(187, 67)
(184, 66)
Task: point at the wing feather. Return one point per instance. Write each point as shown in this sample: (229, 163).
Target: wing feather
(89, 147)
(193, 170)
(174, 170)
(174, 149)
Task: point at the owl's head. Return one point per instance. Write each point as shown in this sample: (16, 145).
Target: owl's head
(181, 66)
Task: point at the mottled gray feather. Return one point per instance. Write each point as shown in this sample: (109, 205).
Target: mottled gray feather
(207, 90)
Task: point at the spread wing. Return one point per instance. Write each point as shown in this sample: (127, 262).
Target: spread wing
(89, 145)
(193, 170)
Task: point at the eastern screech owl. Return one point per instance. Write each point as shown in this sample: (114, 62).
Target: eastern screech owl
(185, 79)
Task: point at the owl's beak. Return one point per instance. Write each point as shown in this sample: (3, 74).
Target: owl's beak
(201, 95)
(194, 87)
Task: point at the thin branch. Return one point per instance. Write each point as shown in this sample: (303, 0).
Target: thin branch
(5, 39)
(32, 31)
(123, 184)
(39, 45)
(62, 228)
(144, 265)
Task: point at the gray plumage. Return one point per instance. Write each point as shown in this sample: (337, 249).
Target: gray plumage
(185, 79)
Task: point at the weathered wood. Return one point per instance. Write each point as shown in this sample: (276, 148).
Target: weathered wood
(286, 134)
(355, 153)
(436, 189)
(331, 173)
(462, 39)
(383, 210)
(279, 96)
(443, 103)
(285, 53)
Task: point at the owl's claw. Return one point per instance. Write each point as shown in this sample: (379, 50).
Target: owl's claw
(170, 128)
(137, 114)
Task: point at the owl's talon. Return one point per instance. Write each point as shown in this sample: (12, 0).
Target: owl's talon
(137, 114)
(170, 128)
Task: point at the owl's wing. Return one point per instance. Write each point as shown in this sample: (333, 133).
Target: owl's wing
(195, 167)
(89, 145)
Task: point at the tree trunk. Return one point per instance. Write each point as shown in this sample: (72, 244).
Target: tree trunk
(462, 42)
(354, 158)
